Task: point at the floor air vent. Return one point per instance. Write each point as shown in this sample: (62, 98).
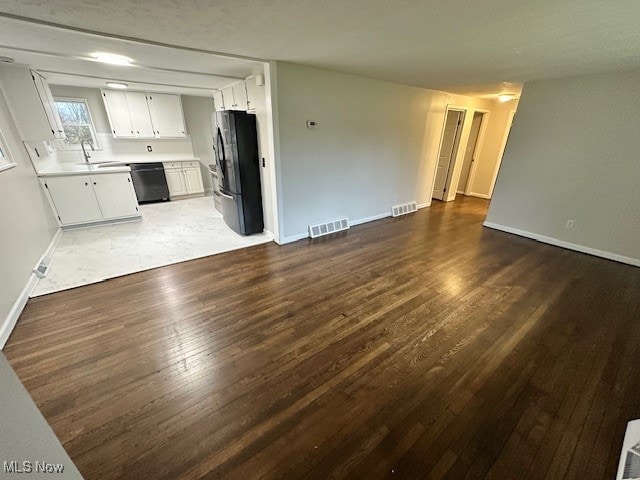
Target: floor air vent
(320, 229)
(403, 209)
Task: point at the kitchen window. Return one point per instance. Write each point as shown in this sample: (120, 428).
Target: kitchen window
(6, 160)
(76, 121)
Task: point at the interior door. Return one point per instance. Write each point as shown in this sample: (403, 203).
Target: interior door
(448, 150)
(471, 154)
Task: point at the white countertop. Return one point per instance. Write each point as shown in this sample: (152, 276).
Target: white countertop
(113, 164)
(58, 169)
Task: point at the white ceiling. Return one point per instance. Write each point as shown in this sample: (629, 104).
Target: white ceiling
(463, 46)
(64, 57)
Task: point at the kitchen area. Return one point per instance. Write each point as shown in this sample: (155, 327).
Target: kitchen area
(140, 174)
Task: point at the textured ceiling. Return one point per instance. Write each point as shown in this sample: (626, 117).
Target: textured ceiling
(464, 46)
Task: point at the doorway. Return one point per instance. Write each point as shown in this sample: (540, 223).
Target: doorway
(453, 123)
(471, 154)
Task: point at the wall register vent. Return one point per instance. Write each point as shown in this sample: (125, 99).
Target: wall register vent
(403, 209)
(321, 229)
(42, 268)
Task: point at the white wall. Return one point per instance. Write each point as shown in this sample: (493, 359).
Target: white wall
(27, 225)
(574, 154)
(376, 144)
(197, 116)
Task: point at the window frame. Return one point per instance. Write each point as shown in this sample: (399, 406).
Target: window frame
(62, 144)
(6, 159)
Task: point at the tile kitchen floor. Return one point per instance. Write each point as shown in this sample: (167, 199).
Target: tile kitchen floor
(168, 233)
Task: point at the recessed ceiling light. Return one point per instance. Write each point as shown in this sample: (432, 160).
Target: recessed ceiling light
(505, 97)
(112, 58)
(118, 85)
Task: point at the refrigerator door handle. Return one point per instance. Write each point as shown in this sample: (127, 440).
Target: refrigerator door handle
(226, 196)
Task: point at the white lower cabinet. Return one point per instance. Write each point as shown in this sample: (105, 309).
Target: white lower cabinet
(193, 179)
(116, 195)
(175, 181)
(183, 178)
(79, 199)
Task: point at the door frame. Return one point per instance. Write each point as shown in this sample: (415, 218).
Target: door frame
(434, 172)
(477, 148)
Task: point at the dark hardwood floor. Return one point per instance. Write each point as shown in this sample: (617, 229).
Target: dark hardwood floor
(420, 347)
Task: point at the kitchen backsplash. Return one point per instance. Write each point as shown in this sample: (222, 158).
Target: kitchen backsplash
(109, 146)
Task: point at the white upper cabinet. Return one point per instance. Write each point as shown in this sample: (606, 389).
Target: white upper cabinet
(227, 97)
(118, 112)
(139, 112)
(31, 103)
(252, 93)
(218, 101)
(144, 115)
(49, 105)
(233, 97)
(240, 96)
(167, 115)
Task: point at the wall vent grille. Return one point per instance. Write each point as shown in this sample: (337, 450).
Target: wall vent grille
(327, 228)
(42, 268)
(403, 209)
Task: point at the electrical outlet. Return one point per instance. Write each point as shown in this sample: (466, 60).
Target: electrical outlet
(570, 223)
(149, 149)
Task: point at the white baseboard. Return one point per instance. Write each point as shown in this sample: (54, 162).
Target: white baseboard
(12, 318)
(294, 238)
(424, 205)
(9, 323)
(480, 195)
(372, 218)
(268, 234)
(352, 223)
(568, 245)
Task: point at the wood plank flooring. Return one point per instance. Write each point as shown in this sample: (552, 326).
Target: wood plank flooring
(420, 347)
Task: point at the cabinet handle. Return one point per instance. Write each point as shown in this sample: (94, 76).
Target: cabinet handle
(86, 184)
(94, 183)
(138, 133)
(132, 132)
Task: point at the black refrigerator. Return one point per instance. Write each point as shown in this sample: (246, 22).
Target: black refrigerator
(236, 146)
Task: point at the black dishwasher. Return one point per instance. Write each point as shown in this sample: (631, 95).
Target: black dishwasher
(149, 182)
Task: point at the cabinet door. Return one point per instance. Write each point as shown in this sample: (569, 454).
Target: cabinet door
(166, 114)
(218, 101)
(74, 199)
(227, 96)
(193, 179)
(118, 112)
(253, 91)
(115, 194)
(49, 105)
(175, 182)
(140, 116)
(240, 96)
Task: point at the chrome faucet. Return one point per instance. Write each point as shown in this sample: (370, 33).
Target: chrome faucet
(86, 154)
